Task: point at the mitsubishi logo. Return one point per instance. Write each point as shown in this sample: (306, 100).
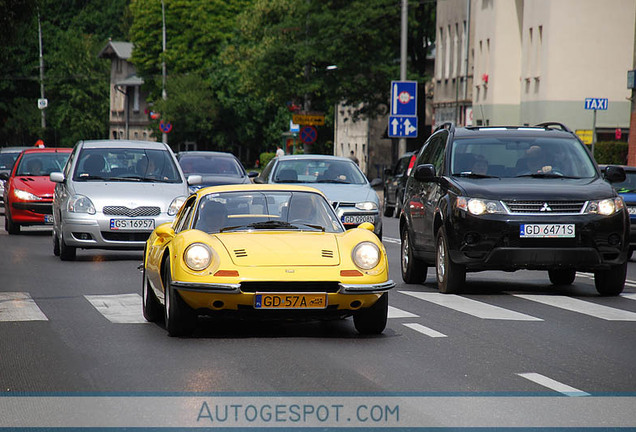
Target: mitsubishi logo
(545, 207)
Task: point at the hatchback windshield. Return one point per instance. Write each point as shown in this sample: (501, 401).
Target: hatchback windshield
(318, 171)
(126, 164)
(240, 211)
(520, 157)
(41, 164)
(211, 165)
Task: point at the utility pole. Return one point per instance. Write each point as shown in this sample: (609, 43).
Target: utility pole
(164, 95)
(631, 140)
(403, 50)
(42, 109)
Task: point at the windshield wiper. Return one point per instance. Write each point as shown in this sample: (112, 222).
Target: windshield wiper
(316, 227)
(333, 181)
(547, 175)
(289, 181)
(474, 175)
(91, 177)
(272, 224)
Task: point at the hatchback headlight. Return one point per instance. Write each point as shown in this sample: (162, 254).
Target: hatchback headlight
(605, 207)
(366, 255)
(197, 256)
(80, 204)
(175, 205)
(478, 206)
(367, 206)
(25, 196)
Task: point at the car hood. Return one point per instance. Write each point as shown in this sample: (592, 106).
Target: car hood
(536, 188)
(41, 186)
(281, 249)
(346, 192)
(131, 194)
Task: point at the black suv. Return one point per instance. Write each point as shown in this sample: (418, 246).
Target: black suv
(510, 198)
(395, 180)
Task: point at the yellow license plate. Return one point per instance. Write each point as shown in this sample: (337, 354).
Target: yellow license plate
(290, 300)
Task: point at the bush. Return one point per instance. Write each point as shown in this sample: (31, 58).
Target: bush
(610, 152)
(264, 159)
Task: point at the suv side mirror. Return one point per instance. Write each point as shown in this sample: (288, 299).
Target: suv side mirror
(614, 174)
(425, 172)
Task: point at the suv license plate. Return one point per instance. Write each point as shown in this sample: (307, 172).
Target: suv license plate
(290, 301)
(132, 224)
(547, 231)
(354, 219)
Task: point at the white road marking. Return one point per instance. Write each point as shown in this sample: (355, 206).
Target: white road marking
(391, 240)
(120, 309)
(552, 384)
(19, 306)
(424, 330)
(399, 313)
(631, 296)
(581, 306)
(471, 307)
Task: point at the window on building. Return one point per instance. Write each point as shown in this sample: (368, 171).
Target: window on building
(447, 54)
(136, 99)
(462, 66)
(440, 53)
(456, 51)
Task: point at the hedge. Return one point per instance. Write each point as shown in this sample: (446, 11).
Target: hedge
(610, 152)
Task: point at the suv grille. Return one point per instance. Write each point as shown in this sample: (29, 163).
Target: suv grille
(125, 211)
(545, 207)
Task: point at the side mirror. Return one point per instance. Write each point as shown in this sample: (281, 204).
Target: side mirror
(614, 174)
(165, 230)
(56, 177)
(252, 174)
(424, 172)
(376, 182)
(258, 180)
(194, 180)
(4, 176)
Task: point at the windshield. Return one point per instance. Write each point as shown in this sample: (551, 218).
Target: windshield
(250, 210)
(126, 164)
(507, 157)
(207, 165)
(318, 171)
(41, 164)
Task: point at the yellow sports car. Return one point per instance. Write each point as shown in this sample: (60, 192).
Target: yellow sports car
(263, 250)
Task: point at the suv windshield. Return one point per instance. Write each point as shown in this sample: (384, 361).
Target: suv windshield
(126, 164)
(520, 157)
(318, 171)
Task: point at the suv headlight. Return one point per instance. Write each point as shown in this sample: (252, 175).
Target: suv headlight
(175, 205)
(25, 196)
(197, 256)
(366, 255)
(367, 206)
(478, 206)
(605, 207)
(80, 204)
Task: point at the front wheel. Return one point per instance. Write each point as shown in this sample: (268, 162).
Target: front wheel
(611, 282)
(151, 307)
(67, 253)
(562, 276)
(180, 320)
(450, 276)
(372, 320)
(413, 269)
(9, 225)
(388, 210)
(56, 244)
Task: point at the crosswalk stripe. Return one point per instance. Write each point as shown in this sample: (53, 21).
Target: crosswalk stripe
(552, 384)
(424, 330)
(120, 309)
(471, 307)
(581, 306)
(399, 313)
(631, 296)
(19, 306)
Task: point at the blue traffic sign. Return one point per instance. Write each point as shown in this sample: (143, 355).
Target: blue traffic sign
(596, 104)
(308, 134)
(403, 98)
(402, 127)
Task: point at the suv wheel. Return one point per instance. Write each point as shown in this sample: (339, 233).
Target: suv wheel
(450, 276)
(611, 282)
(413, 269)
(562, 276)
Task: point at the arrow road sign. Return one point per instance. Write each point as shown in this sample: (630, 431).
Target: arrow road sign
(402, 126)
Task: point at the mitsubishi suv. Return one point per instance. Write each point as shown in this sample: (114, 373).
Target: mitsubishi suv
(511, 198)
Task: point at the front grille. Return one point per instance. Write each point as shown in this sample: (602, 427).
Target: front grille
(134, 212)
(126, 236)
(545, 207)
(39, 208)
(251, 287)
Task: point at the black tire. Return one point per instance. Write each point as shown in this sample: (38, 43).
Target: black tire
(372, 320)
(451, 277)
(151, 307)
(413, 269)
(398, 207)
(611, 282)
(180, 320)
(9, 225)
(629, 255)
(56, 244)
(562, 276)
(388, 210)
(67, 253)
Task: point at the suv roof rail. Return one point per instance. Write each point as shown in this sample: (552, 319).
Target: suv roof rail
(551, 125)
(446, 125)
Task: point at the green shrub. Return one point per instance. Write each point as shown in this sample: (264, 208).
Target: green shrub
(610, 152)
(265, 158)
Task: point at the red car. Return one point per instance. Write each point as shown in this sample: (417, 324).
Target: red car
(28, 194)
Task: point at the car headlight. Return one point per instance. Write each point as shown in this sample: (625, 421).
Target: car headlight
(175, 205)
(366, 255)
(478, 206)
(80, 204)
(367, 206)
(197, 256)
(25, 196)
(605, 207)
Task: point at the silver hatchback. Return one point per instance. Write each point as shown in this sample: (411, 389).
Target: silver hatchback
(113, 193)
